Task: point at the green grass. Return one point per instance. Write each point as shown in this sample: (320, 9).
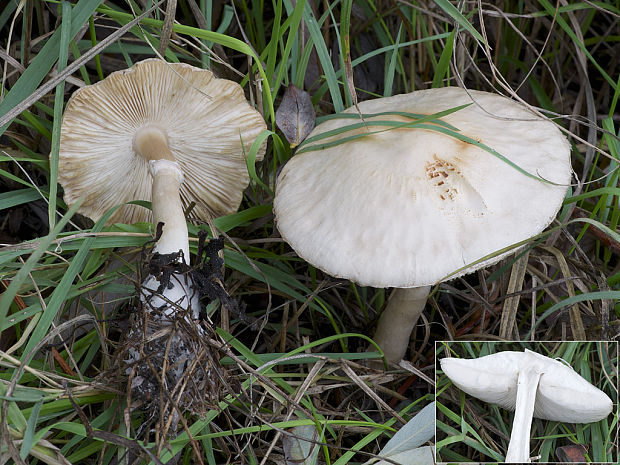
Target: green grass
(65, 276)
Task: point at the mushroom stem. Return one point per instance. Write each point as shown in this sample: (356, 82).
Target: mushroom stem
(151, 143)
(167, 207)
(398, 319)
(527, 385)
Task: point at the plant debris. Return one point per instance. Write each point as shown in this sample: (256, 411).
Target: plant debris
(167, 355)
(295, 116)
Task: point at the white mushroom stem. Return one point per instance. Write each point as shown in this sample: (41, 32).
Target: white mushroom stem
(398, 319)
(527, 385)
(167, 207)
(151, 142)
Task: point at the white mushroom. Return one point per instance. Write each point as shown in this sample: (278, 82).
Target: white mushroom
(164, 110)
(166, 132)
(172, 134)
(407, 207)
(532, 385)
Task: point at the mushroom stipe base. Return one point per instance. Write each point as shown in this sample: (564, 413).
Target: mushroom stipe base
(170, 364)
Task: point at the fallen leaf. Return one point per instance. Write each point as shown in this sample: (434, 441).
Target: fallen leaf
(300, 446)
(404, 447)
(418, 456)
(572, 453)
(295, 116)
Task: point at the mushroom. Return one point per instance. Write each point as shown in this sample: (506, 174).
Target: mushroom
(391, 204)
(166, 132)
(532, 385)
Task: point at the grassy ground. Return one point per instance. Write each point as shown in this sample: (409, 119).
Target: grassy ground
(68, 285)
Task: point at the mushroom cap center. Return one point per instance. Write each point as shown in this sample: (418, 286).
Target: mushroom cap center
(151, 143)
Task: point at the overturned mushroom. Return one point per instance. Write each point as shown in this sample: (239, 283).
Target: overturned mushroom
(533, 386)
(177, 136)
(395, 204)
(166, 132)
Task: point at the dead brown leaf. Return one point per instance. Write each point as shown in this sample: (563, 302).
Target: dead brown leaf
(295, 116)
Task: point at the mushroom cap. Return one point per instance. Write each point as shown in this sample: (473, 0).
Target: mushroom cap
(562, 395)
(204, 119)
(406, 207)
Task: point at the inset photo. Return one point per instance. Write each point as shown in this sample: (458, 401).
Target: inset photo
(522, 402)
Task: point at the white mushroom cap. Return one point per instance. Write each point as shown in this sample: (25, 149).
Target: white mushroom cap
(562, 394)
(204, 120)
(407, 207)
